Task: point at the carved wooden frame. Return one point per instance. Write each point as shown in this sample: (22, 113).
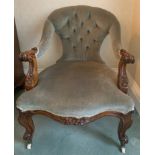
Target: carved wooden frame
(122, 80)
(31, 78)
(25, 118)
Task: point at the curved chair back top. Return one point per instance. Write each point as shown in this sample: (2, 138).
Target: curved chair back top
(82, 30)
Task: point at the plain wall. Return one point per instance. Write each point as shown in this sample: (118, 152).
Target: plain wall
(31, 14)
(134, 44)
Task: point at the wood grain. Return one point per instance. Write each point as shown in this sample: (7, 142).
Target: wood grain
(25, 119)
(122, 80)
(31, 79)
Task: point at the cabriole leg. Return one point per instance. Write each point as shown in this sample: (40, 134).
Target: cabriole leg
(125, 123)
(25, 119)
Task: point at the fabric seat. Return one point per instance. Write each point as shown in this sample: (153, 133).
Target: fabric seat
(76, 89)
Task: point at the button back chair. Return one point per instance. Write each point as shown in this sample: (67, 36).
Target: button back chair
(80, 87)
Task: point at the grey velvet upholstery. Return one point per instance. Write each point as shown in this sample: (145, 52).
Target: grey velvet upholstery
(79, 84)
(77, 89)
(82, 30)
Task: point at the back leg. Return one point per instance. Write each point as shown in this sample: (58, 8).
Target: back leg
(125, 123)
(25, 119)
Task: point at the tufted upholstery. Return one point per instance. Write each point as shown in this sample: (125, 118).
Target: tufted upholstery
(76, 89)
(80, 84)
(82, 30)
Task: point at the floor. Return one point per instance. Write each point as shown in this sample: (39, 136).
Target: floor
(96, 138)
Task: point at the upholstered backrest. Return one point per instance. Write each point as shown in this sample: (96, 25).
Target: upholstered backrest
(82, 30)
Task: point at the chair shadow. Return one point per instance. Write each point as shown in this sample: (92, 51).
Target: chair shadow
(86, 129)
(16, 128)
(98, 135)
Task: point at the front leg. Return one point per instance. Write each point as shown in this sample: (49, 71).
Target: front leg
(25, 119)
(125, 123)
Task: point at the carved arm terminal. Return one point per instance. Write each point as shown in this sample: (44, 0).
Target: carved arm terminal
(31, 78)
(122, 81)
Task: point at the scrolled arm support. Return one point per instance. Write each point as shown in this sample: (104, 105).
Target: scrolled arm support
(31, 78)
(122, 81)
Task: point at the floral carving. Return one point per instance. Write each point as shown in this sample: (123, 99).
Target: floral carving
(75, 121)
(25, 119)
(122, 81)
(31, 79)
(125, 123)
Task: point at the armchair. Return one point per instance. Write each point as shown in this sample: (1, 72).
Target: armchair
(80, 87)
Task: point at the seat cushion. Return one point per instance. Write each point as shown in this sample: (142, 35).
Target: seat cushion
(76, 89)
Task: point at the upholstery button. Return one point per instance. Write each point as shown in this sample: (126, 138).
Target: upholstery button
(88, 31)
(89, 15)
(68, 21)
(74, 47)
(96, 25)
(76, 15)
(94, 40)
(81, 39)
(68, 38)
(87, 47)
(82, 24)
(74, 30)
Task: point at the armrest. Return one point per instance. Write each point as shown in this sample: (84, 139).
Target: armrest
(122, 81)
(31, 78)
